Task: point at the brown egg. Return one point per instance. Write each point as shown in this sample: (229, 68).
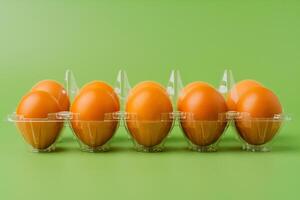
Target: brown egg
(238, 90)
(90, 109)
(205, 108)
(149, 106)
(37, 105)
(56, 90)
(257, 126)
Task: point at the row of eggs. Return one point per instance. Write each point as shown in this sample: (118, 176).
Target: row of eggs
(148, 101)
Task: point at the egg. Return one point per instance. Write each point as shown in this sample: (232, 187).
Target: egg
(100, 85)
(56, 90)
(238, 90)
(258, 106)
(37, 105)
(148, 107)
(204, 108)
(97, 84)
(90, 109)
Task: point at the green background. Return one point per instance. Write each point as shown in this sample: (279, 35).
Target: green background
(256, 39)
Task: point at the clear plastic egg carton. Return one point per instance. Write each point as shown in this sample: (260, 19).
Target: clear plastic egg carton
(149, 135)
(257, 134)
(41, 134)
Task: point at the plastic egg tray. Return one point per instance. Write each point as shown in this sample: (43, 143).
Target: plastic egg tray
(266, 128)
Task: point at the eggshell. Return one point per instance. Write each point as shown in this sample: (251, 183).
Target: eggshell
(38, 104)
(97, 84)
(149, 108)
(56, 90)
(91, 125)
(238, 90)
(204, 107)
(259, 106)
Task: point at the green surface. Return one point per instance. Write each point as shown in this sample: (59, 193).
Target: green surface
(259, 40)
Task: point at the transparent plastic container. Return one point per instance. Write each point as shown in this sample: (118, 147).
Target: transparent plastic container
(255, 134)
(93, 135)
(149, 136)
(41, 134)
(203, 136)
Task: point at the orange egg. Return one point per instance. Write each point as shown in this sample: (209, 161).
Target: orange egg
(148, 106)
(97, 84)
(56, 90)
(91, 125)
(204, 107)
(39, 134)
(260, 104)
(101, 85)
(238, 90)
